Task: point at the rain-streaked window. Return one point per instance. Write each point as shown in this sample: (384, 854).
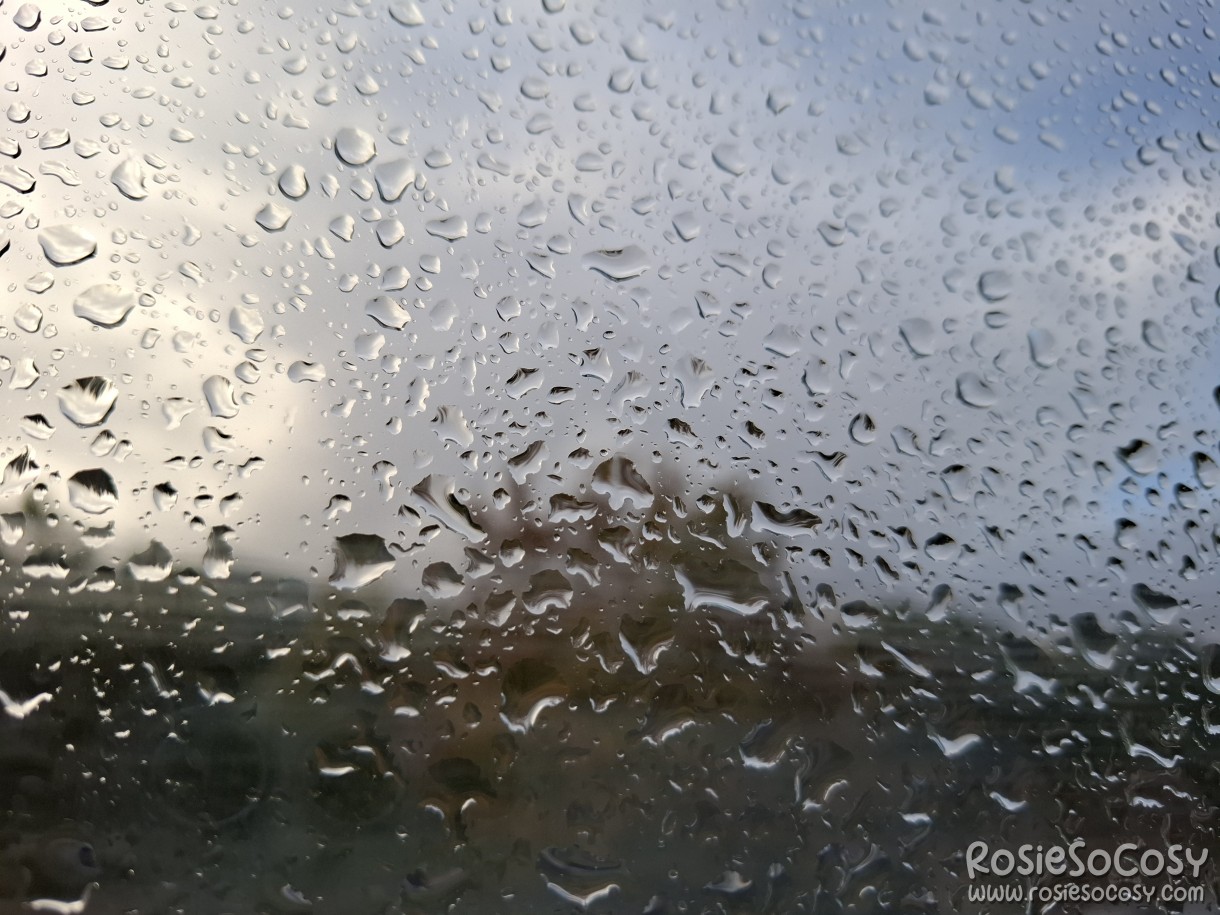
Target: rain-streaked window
(557, 456)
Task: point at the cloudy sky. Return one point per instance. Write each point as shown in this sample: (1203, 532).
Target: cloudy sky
(943, 276)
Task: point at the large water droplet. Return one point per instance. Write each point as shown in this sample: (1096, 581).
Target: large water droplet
(354, 146)
(451, 228)
(617, 479)
(974, 391)
(919, 336)
(221, 396)
(293, 183)
(66, 245)
(995, 285)
(105, 305)
(435, 495)
(88, 401)
(273, 216)
(359, 560)
(393, 178)
(618, 264)
(92, 491)
(529, 687)
(1139, 456)
(153, 564)
(128, 177)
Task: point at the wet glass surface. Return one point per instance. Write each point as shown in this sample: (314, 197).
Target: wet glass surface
(555, 456)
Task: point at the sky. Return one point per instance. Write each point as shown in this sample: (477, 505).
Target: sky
(927, 272)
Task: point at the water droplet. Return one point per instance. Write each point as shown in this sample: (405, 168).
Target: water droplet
(293, 182)
(618, 480)
(88, 401)
(273, 216)
(104, 305)
(436, 497)
(246, 322)
(974, 391)
(942, 548)
(723, 586)
(1098, 647)
(451, 228)
(618, 264)
(919, 336)
(156, 563)
(529, 687)
(28, 318)
(393, 178)
(1161, 608)
(16, 178)
(729, 157)
(92, 491)
(359, 560)
(128, 177)
(221, 396)
(862, 429)
(66, 245)
(1207, 471)
(1154, 336)
(995, 285)
(1042, 348)
(353, 146)
(388, 312)
(406, 12)
(1139, 456)
(27, 17)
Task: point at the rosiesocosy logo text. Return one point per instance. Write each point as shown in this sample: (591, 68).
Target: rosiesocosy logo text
(1076, 860)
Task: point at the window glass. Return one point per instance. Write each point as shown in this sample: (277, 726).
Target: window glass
(623, 457)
